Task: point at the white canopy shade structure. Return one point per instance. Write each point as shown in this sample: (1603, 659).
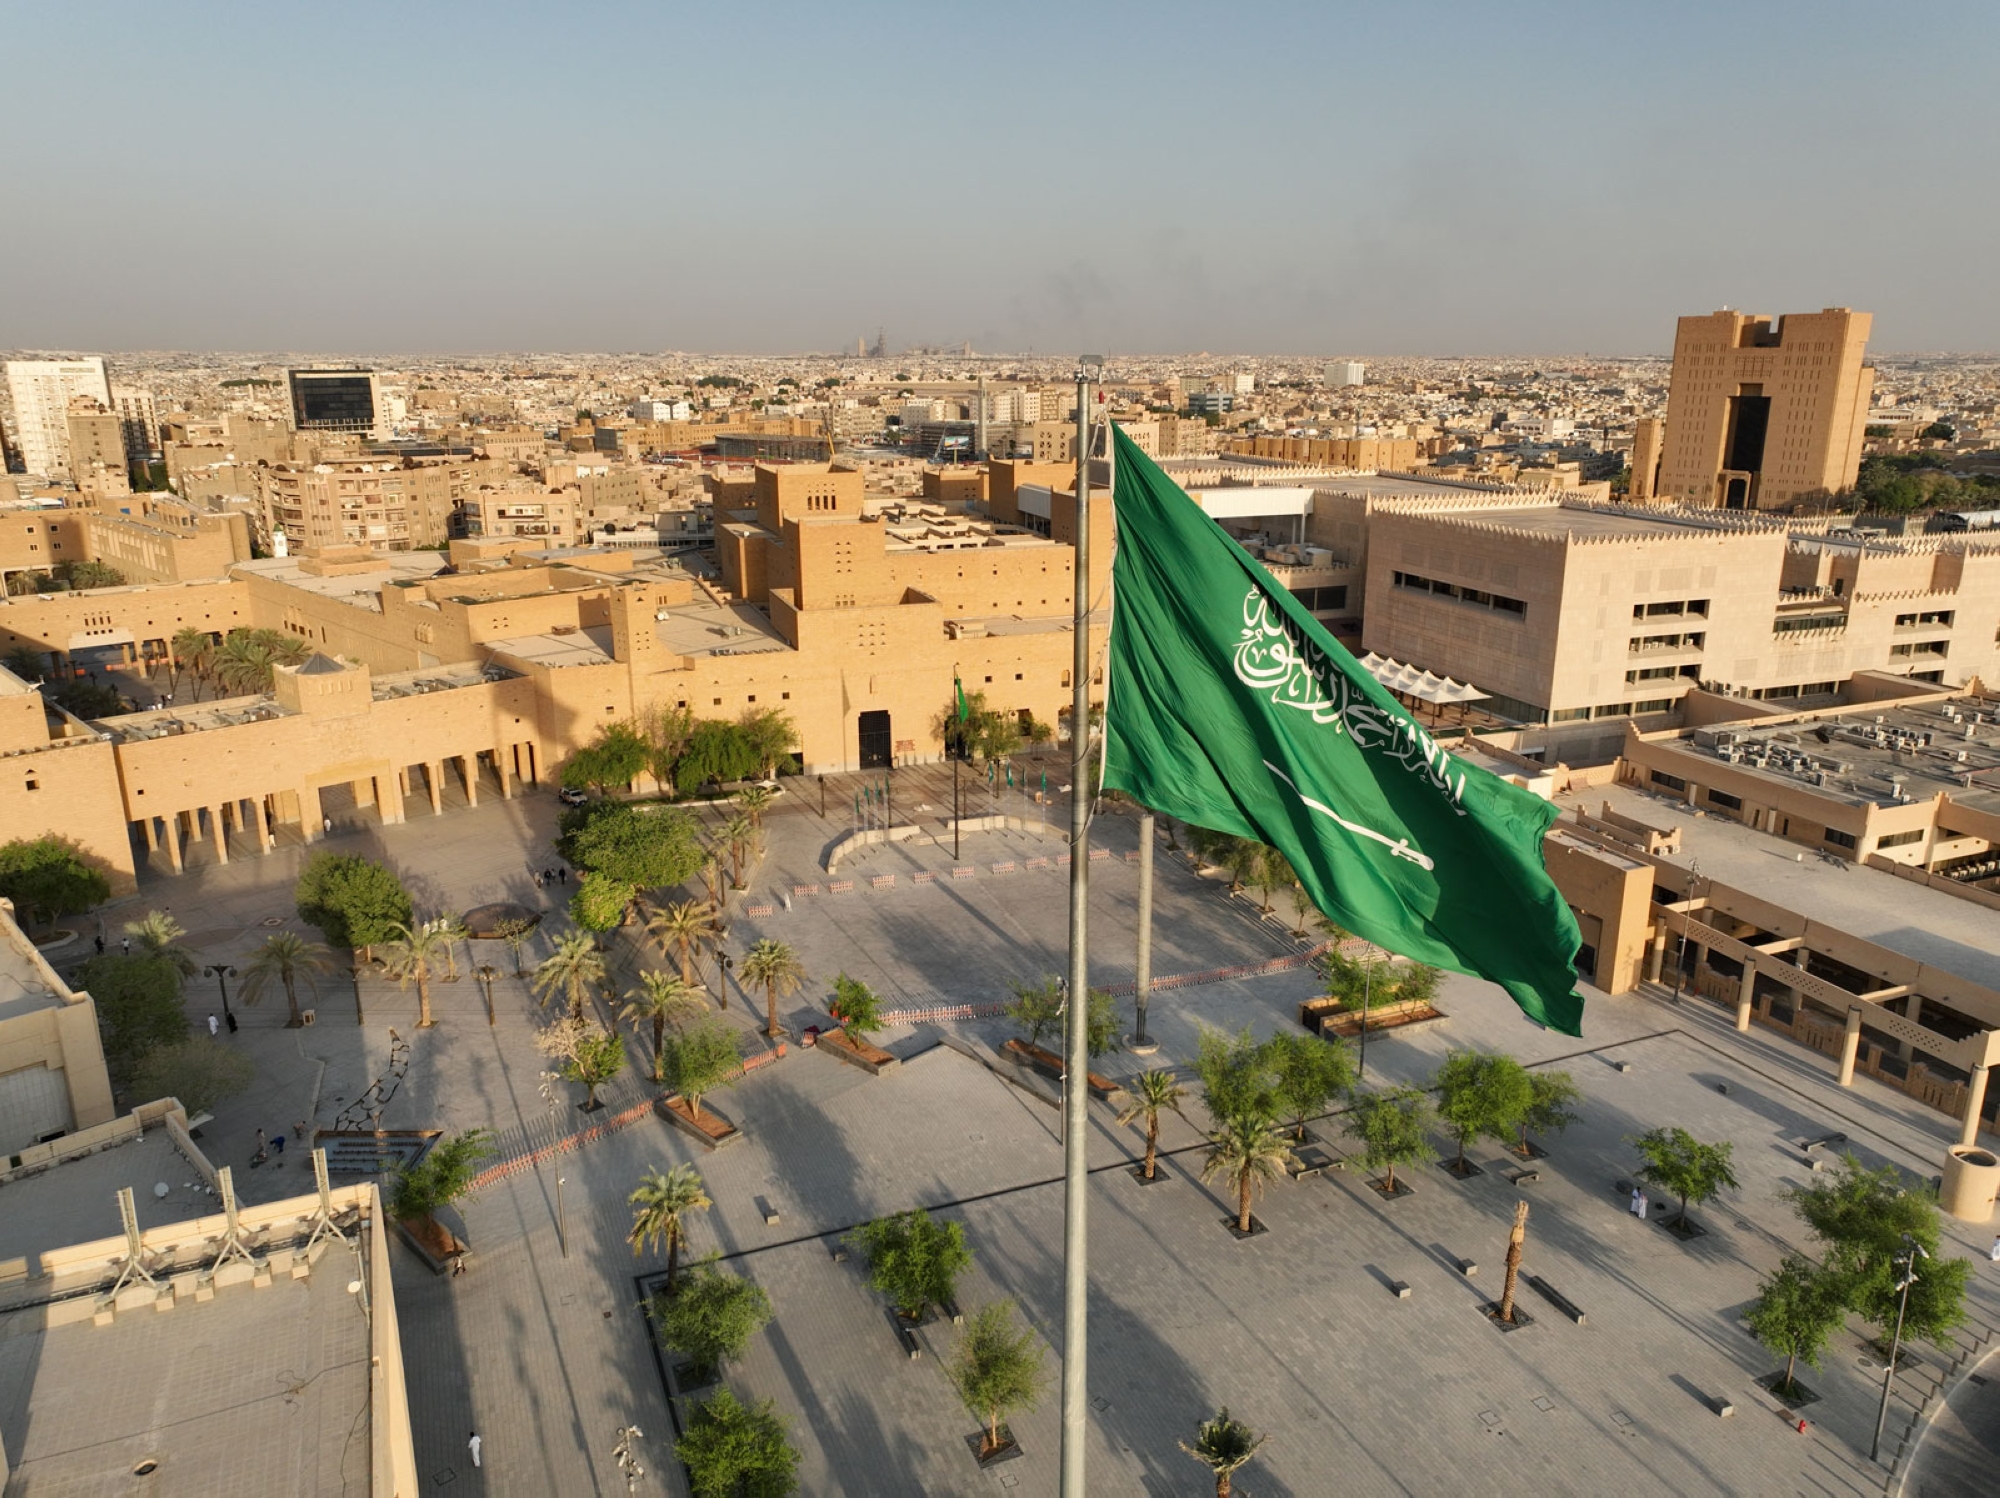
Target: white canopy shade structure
(1440, 691)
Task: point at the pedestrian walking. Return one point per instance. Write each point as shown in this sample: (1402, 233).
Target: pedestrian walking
(457, 1265)
(126, 943)
(214, 1027)
(1994, 1252)
(1644, 1203)
(326, 825)
(229, 1019)
(278, 1144)
(1637, 1197)
(538, 881)
(562, 873)
(472, 1445)
(100, 943)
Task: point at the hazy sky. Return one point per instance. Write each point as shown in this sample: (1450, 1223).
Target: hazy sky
(1316, 178)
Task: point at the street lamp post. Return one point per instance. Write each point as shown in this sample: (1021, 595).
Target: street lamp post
(724, 963)
(822, 798)
(627, 1457)
(548, 1091)
(222, 972)
(1907, 1261)
(1680, 959)
(487, 973)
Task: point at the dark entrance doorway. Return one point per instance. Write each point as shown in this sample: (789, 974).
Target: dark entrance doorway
(876, 742)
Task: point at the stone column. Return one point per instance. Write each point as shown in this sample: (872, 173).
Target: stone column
(468, 769)
(1975, 1101)
(500, 768)
(218, 834)
(1656, 958)
(389, 800)
(434, 779)
(263, 824)
(1746, 994)
(1850, 1046)
(174, 843)
(152, 833)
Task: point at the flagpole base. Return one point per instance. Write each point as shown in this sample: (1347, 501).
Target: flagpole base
(1142, 1048)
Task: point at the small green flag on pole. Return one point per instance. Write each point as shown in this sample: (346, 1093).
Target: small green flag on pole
(857, 808)
(964, 708)
(1229, 706)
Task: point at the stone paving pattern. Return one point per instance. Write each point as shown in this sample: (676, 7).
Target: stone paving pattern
(548, 1355)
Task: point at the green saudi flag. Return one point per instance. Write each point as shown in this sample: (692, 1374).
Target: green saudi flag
(1231, 707)
(964, 708)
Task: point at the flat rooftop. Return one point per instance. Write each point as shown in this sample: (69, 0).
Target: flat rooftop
(356, 588)
(24, 986)
(77, 1201)
(257, 1391)
(1864, 757)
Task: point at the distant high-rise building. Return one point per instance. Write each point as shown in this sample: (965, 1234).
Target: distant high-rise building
(1763, 411)
(42, 390)
(1345, 373)
(1646, 434)
(95, 438)
(335, 400)
(139, 417)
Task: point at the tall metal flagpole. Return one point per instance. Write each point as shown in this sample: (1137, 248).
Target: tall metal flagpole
(1076, 1057)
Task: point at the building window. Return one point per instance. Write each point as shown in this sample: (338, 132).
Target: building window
(1669, 782)
(1479, 597)
(1838, 838)
(1901, 839)
(1724, 799)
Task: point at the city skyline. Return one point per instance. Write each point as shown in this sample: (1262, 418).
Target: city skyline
(1489, 186)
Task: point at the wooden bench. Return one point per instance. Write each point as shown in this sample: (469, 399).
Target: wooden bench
(1051, 1065)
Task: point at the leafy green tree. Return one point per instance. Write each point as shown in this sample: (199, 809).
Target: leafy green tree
(246, 660)
(913, 1259)
(1799, 1308)
(666, 731)
(775, 967)
(354, 901)
(732, 1450)
(197, 1071)
(411, 955)
(600, 902)
(1552, 1096)
(662, 999)
(444, 1176)
(711, 1317)
(660, 1207)
(996, 1369)
(1392, 1128)
(644, 845)
(983, 733)
(1236, 1077)
(1481, 1096)
(1223, 1446)
(1310, 1072)
(48, 878)
(572, 970)
(594, 1060)
(700, 1059)
(1037, 1008)
(1866, 1220)
(616, 757)
(717, 753)
(1151, 1094)
(1246, 1149)
(1677, 1162)
(284, 957)
(87, 697)
(87, 574)
(25, 661)
(858, 1008)
(515, 931)
(138, 1007)
(769, 735)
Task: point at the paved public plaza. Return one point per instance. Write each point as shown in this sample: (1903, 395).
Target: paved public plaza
(546, 1353)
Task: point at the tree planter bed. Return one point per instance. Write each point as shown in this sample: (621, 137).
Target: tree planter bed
(1451, 1167)
(1257, 1228)
(1006, 1451)
(1683, 1228)
(1050, 1065)
(1138, 1173)
(1324, 1017)
(871, 1059)
(1794, 1393)
(432, 1241)
(1528, 1151)
(712, 1129)
(1521, 1317)
(1391, 1193)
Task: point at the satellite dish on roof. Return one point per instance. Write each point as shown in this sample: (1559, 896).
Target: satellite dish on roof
(159, 1188)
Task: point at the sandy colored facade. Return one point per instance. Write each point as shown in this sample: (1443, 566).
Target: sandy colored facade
(1762, 412)
(52, 1075)
(1362, 454)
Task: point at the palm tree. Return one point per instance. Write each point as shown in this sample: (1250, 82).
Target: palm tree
(454, 931)
(659, 1208)
(1223, 1445)
(1248, 1149)
(1153, 1093)
(679, 929)
(411, 956)
(184, 654)
(286, 957)
(775, 965)
(739, 832)
(755, 800)
(711, 878)
(570, 970)
(159, 935)
(665, 1000)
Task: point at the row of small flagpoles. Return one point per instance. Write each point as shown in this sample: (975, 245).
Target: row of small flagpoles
(874, 801)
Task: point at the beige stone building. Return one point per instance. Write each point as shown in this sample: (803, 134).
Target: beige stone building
(52, 1076)
(1764, 412)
